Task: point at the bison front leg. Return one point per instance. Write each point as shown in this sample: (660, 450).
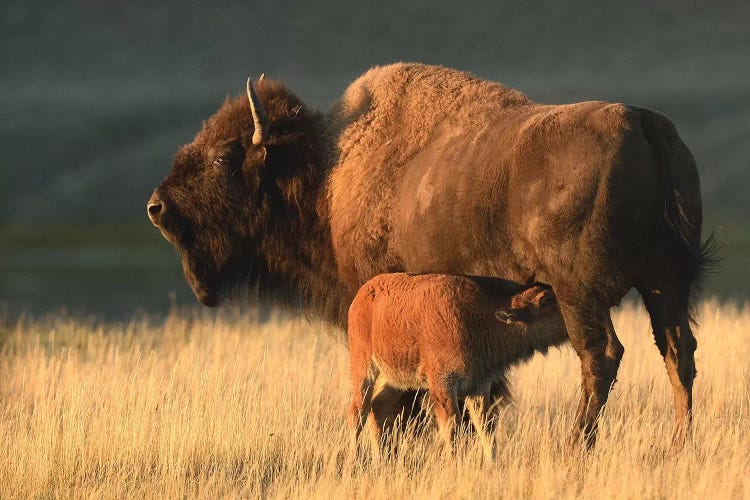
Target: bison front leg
(600, 352)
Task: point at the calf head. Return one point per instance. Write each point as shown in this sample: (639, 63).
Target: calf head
(535, 312)
(536, 303)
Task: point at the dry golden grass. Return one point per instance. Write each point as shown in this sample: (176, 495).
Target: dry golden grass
(221, 405)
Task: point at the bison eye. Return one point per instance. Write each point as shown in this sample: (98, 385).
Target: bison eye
(221, 161)
(227, 154)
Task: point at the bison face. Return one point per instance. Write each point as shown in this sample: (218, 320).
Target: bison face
(213, 207)
(204, 207)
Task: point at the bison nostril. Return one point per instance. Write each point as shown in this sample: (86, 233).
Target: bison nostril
(154, 208)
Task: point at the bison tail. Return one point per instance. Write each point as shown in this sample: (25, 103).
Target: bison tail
(682, 217)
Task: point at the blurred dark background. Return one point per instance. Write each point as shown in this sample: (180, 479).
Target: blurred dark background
(96, 96)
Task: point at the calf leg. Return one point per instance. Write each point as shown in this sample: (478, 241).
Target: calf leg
(484, 419)
(362, 388)
(500, 395)
(600, 351)
(383, 415)
(445, 406)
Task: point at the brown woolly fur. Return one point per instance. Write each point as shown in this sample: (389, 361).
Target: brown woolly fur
(426, 169)
(454, 335)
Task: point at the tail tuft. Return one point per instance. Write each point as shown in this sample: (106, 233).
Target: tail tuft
(707, 260)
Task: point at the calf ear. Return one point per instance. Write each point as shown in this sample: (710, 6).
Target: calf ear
(545, 298)
(512, 315)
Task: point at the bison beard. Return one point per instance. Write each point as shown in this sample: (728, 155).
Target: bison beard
(425, 169)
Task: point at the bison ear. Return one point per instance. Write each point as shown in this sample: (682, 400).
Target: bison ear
(262, 155)
(255, 159)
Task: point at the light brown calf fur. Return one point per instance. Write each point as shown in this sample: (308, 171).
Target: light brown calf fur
(454, 335)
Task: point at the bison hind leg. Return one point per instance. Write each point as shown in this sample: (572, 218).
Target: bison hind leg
(669, 310)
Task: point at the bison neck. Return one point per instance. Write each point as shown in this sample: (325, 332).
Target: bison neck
(296, 249)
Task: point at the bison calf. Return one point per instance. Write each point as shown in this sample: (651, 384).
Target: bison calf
(456, 336)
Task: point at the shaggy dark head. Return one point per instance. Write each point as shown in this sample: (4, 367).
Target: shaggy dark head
(241, 192)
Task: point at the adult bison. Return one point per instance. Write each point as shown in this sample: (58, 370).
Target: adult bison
(426, 169)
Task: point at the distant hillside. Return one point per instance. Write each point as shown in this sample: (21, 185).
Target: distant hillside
(97, 96)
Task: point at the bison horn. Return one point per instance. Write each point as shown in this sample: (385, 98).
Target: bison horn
(260, 119)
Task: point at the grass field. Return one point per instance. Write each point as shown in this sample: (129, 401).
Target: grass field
(213, 405)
